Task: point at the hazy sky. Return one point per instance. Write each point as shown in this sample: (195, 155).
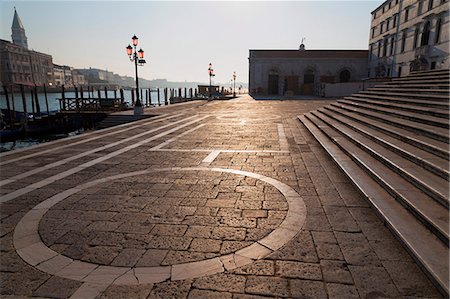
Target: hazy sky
(181, 38)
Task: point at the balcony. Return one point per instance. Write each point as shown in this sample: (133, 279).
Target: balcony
(423, 51)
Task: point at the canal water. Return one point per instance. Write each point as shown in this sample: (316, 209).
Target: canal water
(53, 106)
(53, 99)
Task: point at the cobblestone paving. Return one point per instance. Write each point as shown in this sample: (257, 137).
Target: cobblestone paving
(119, 237)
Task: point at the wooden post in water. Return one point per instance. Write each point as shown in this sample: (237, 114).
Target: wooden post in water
(13, 103)
(99, 95)
(12, 100)
(106, 93)
(141, 97)
(132, 97)
(146, 97)
(36, 98)
(46, 100)
(122, 98)
(150, 97)
(24, 104)
(7, 105)
(185, 93)
(81, 93)
(33, 108)
(77, 100)
(63, 97)
(165, 96)
(159, 100)
(115, 93)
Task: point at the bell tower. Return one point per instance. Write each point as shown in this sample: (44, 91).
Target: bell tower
(18, 32)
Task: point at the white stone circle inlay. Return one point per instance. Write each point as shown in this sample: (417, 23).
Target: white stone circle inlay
(32, 250)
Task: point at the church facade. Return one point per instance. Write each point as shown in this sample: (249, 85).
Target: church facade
(300, 72)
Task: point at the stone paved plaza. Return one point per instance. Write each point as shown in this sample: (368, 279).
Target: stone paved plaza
(221, 199)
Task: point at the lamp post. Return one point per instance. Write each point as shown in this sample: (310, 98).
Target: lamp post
(138, 58)
(211, 74)
(234, 84)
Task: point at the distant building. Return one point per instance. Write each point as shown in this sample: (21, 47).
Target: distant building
(94, 76)
(18, 32)
(21, 66)
(409, 35)
(300, 72)
(18, 65)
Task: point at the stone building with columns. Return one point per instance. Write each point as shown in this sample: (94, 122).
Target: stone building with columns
(408, 35)
(301, 72)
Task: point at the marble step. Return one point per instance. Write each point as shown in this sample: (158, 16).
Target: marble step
(428, 73)
(430, 80)
(397, 88)
(416, 102)
(441, 113)
(428, 250)
(431, 184)
(417, 86)
(433, 97)
(425, 159)
(435, 147)
(416, 116)
(440, 134)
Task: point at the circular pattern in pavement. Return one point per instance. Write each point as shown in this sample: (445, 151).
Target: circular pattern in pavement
(196, 228)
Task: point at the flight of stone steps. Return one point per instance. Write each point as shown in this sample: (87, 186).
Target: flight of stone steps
(392, 141)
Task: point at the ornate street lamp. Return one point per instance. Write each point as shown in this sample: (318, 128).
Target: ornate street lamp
(138, 58)
(211, 74)
(234, 84)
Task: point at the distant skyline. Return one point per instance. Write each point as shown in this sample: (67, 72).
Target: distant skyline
(180, 39)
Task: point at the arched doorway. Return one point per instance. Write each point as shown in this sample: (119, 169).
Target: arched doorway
(273, 84)
(308, 82)
(344, 76)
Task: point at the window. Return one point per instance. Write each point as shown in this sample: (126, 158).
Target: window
(373, 31)
(385, 44)
(379, 48)
(395, 20)
(425, 34)
(370, 52)
(433, 65)
(381, 27)
(416, 36)
(437, 36)
(406, 14)
(383, 9)
(389, 6)
(420, 8)
(387, 23)
(430, 4)
(392, 46)
(399, 72)
(396, 2)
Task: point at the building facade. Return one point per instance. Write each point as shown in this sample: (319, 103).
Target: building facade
(21, 66)
(300, 72)
(408, 35)
(18, 65)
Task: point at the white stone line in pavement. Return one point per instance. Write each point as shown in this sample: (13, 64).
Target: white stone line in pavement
(221, 150)
(88, 291)
(49, 180)
(148, 122)
(210, 158)
(84, 154)
(96, 277)
(165, 143)
(282, 138)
